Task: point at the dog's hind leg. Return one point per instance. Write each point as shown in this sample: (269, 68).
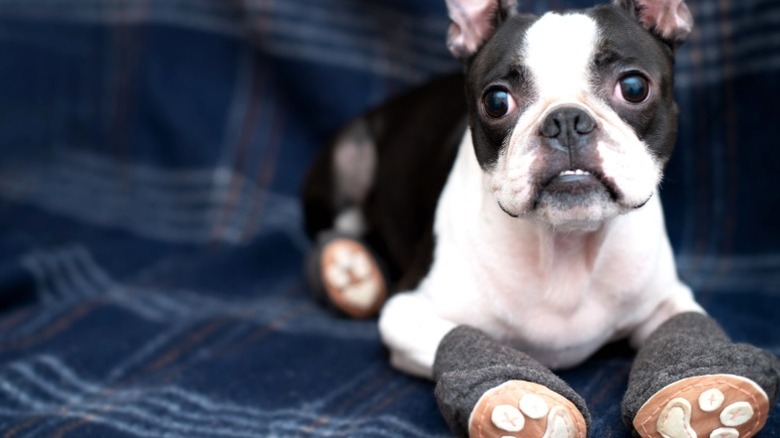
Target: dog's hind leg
(354, 163)
(342, 270)
(339, 181)
(690, 380)
(483, 388)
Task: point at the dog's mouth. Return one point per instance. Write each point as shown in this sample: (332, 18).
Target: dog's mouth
(577, 183)
(572, 176)
(569, 189)
(573, 195)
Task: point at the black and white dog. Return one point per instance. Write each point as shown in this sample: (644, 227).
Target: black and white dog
(523, 227)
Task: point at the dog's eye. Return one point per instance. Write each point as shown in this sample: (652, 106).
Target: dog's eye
(498, 102)
(633, 87)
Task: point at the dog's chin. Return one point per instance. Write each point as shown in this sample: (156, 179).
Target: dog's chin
(568, 212)
(575, 202)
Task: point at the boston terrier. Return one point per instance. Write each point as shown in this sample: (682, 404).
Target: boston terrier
(511, 214)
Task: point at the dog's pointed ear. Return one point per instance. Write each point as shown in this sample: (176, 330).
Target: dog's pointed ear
(472, 22)
(669, 19)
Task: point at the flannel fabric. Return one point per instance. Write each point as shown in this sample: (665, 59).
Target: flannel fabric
(151, 152)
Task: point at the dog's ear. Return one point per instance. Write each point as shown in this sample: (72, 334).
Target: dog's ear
(669, 19)
(473, 22)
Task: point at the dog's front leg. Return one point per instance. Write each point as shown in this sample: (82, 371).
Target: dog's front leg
(412, 330)
(488, 389)
(690, 380)
(483, 387)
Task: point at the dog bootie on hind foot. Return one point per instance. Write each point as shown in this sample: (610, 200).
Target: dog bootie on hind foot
(525, 410)
(346, 274)
(714, 406)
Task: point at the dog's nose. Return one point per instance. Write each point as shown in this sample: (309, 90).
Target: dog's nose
(567, 127)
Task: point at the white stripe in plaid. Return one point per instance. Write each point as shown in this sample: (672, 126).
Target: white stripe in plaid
(45, 385)
(169, 205)
(68, 275)
(339, 33)
(344, 33)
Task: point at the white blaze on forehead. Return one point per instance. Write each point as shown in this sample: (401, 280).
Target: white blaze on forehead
(558, 50)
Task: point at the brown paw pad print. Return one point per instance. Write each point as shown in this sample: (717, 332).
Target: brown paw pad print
(352, 278)
(715, 406)
(525, 410)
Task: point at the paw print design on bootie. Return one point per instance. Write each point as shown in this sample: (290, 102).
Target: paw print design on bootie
(716, 406)
(522, 409)
(351, 278)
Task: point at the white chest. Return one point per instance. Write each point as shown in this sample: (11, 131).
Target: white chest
(557, 296)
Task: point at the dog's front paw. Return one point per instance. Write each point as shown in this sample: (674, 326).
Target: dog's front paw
(351, 277)
(525, 410)
(714, 406)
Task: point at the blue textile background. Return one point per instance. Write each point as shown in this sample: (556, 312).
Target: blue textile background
(151, 153)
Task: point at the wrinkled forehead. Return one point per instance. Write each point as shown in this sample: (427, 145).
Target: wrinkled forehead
(557, 51)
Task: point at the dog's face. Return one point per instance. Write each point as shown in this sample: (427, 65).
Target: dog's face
(572, 114)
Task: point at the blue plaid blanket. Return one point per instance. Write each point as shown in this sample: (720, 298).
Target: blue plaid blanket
(151, 152)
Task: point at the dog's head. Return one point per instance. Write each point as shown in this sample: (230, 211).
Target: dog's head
(572, 113)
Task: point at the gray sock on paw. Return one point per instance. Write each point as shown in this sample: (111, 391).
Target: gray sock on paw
(692, 344)
(469, 363)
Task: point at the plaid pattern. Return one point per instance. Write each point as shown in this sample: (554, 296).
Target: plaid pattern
(151, 244)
